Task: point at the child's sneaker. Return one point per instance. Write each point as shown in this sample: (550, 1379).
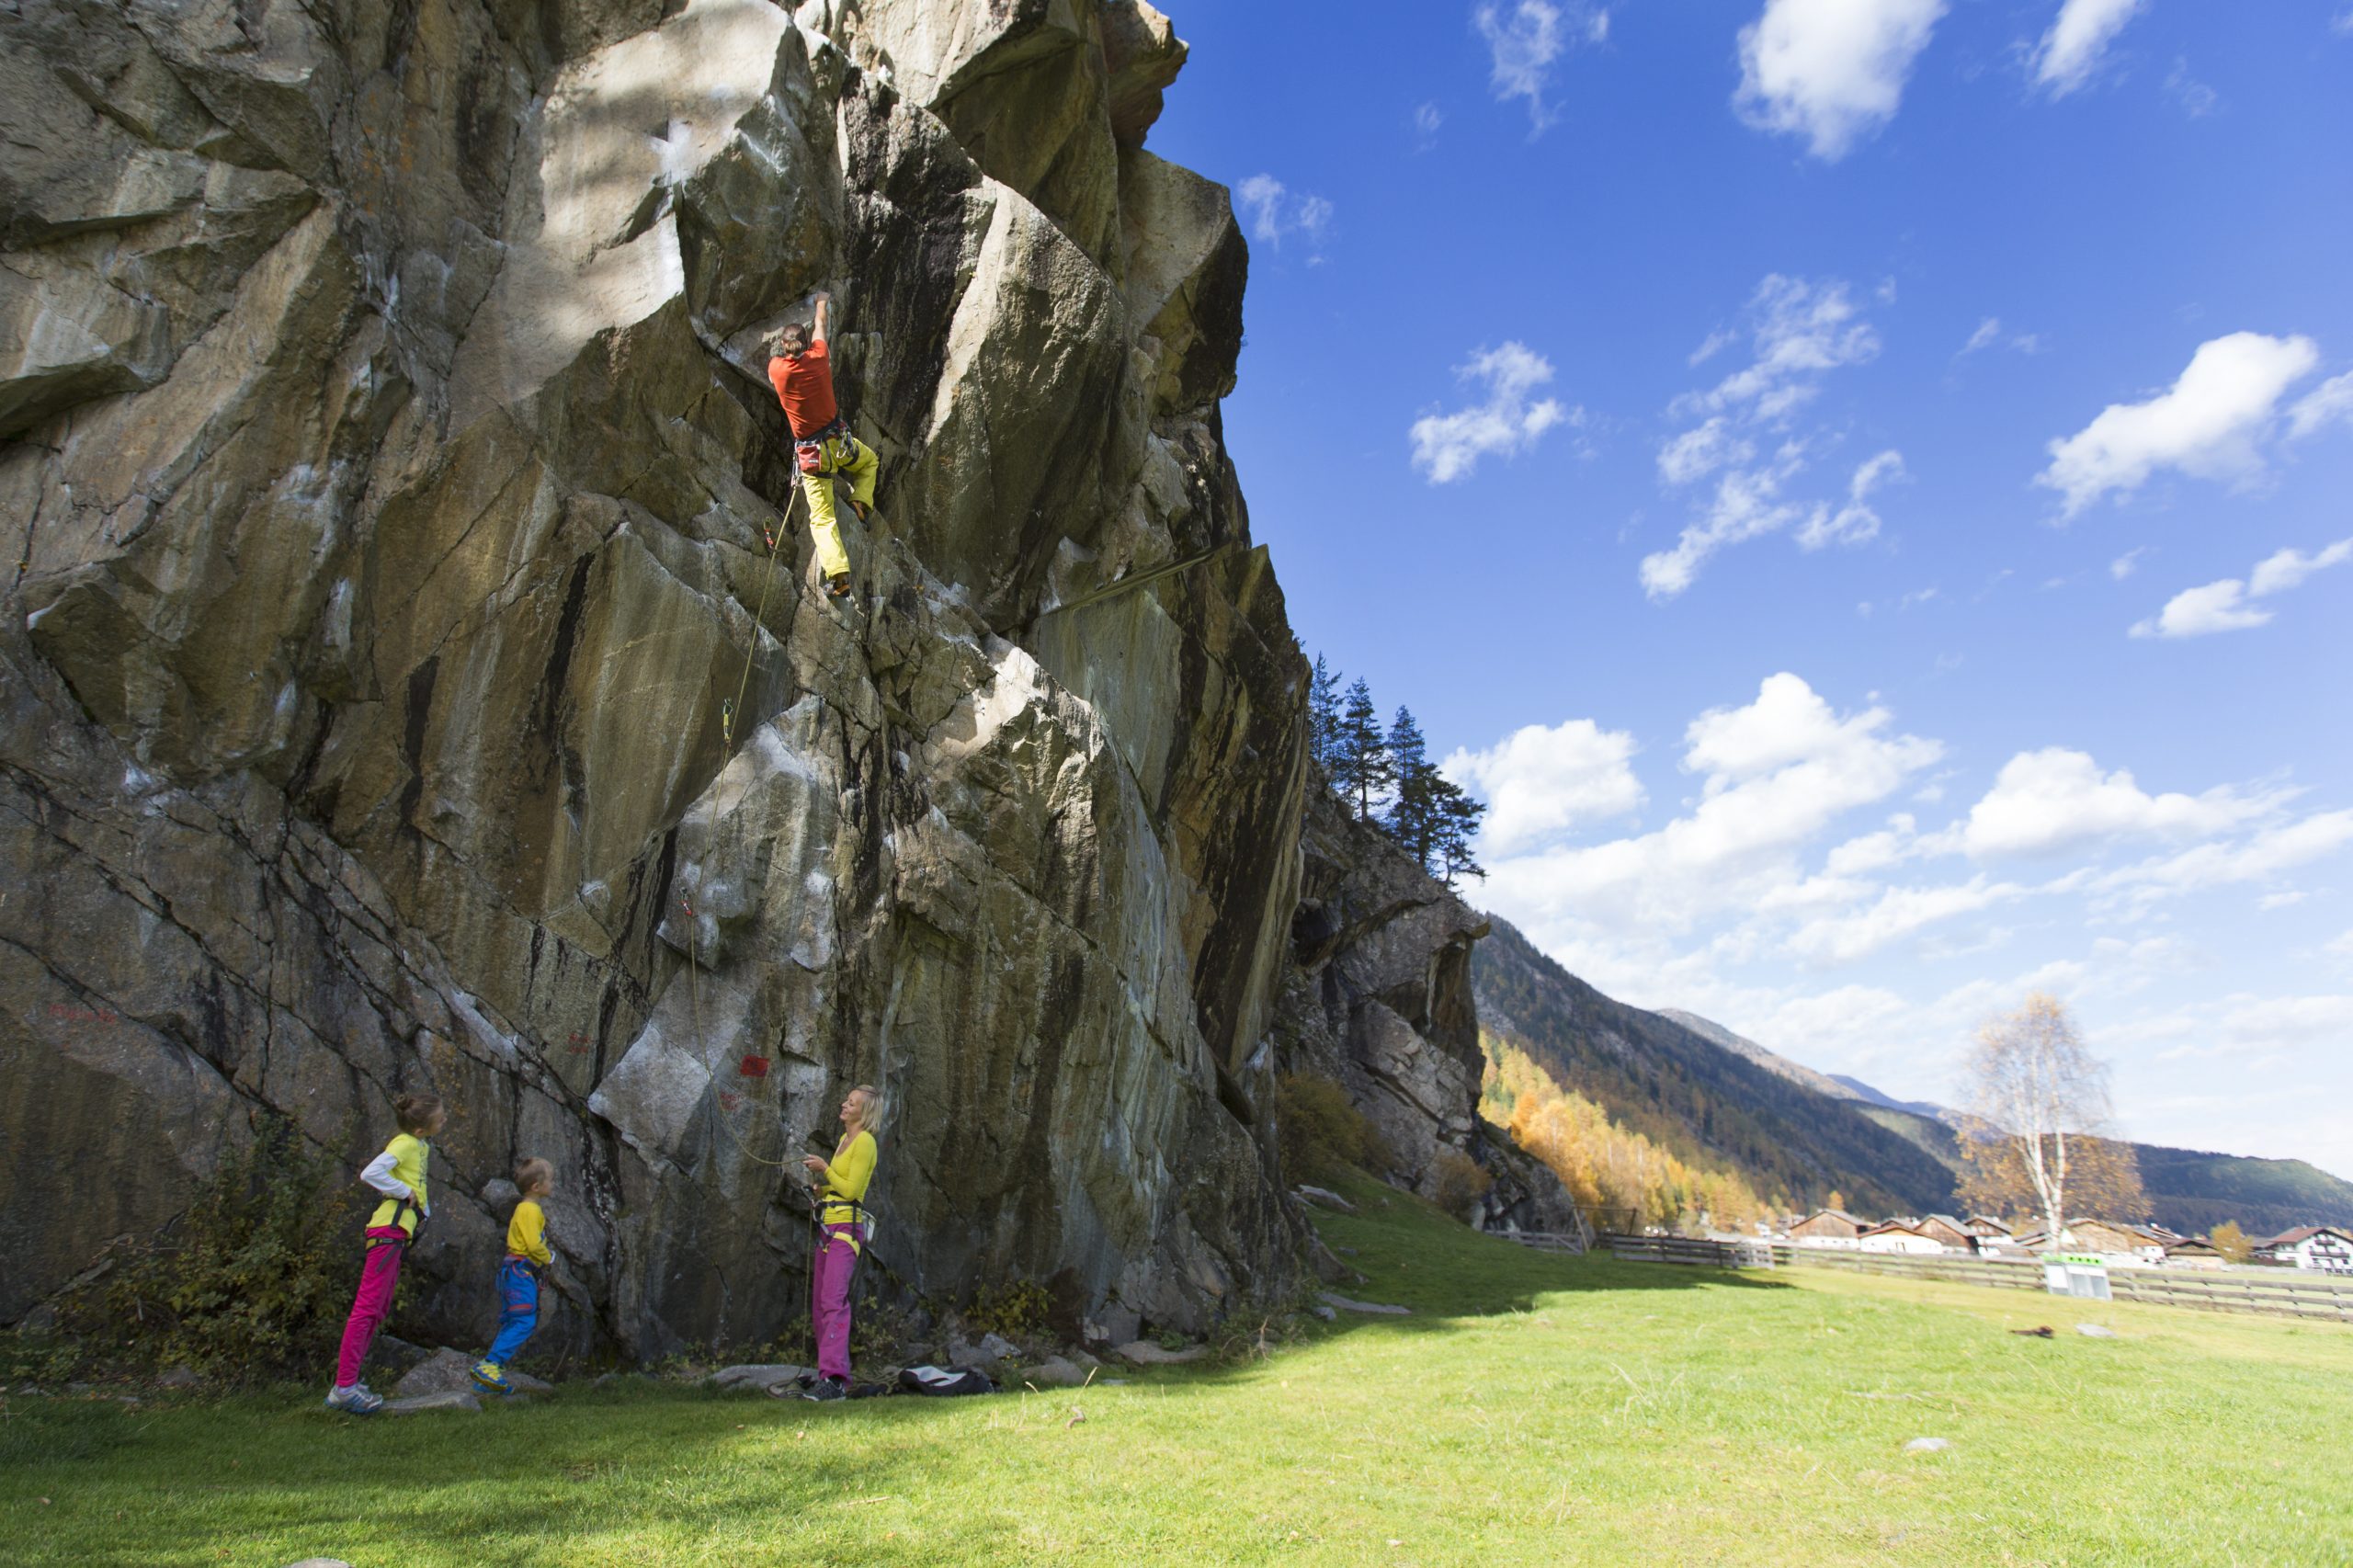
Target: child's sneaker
(356, 1400)
(492, 1377)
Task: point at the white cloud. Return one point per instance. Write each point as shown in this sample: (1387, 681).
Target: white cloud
(2285, 569)
(1775, 772)
(1448, 446)
(2270, 1027)
(1799, 330)
(1273, 211)
(1856, 521)
(2056, 799)
(2071, 50)
(1832, 70)
(2203, 610)
(2208, 425)
(2227, 605)
(2124, 565)
(1541, 782)
(2196, 98)
(1747, 504)
(1427, 118)
(2258, 858)
(1898, 912)
(2331, 402)
(1523, 44)
(1701, 451)
(1989, 333)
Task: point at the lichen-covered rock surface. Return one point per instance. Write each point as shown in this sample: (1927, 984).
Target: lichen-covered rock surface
(398, 689)
(400, 693)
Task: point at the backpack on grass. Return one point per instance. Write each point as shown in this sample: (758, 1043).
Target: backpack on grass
(945, 1382)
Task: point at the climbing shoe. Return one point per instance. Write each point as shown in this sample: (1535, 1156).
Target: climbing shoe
(827, 1390)
(356, 1400)
(838, 586)
(492, 1377)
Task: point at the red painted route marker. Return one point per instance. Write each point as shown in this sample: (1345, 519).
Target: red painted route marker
(753, 1067)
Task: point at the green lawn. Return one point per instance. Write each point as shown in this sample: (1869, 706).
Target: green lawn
(1535, 1410)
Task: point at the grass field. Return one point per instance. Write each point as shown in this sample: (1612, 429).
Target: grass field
(1535, 1410)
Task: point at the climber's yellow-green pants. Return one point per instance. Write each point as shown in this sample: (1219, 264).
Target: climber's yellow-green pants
(843, 454)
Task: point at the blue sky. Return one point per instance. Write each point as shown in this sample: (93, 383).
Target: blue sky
(1860, 487)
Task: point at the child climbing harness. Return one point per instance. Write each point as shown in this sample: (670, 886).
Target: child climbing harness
(842, 1231)
(802, 373)
(399, 1173)
(518, 1276)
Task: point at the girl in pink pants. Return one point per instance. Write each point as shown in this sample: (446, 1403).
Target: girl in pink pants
(399, 1173)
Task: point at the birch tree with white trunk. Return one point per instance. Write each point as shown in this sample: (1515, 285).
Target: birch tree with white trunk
(2032, 1084)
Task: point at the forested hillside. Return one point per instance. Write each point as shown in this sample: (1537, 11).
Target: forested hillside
(2191, 1189)
(1707, 1105)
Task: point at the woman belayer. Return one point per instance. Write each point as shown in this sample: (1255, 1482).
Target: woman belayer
(841, 1185)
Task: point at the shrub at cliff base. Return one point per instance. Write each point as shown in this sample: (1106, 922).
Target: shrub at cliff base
(251, 1282)
(1460, 1183)
(1322, 1132)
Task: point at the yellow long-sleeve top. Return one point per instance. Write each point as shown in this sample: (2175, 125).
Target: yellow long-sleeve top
(846, 1178)
(527, 1233)
(399, 1174)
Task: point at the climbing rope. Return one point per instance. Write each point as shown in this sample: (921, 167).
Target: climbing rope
(729, 707)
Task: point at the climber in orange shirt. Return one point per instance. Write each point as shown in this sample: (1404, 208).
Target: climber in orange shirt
(802, 373)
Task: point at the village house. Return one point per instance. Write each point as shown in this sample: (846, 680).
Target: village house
(1898, 1235)
(1948, 1233)
(1827, 1228)
(2194, 1252)
(2324, 1247)
(2110, 1238)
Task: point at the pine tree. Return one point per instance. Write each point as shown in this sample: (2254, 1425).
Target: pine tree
(1360, 763)
(1323, 716)
(1455, 823)
(1412, 819)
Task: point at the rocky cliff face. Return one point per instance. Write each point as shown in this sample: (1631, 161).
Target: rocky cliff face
(1379, 998)
(400, 691)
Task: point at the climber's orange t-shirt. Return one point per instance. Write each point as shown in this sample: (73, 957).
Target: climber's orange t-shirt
(805, 386)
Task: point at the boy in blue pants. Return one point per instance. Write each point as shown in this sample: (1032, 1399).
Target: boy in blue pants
(518, 1276)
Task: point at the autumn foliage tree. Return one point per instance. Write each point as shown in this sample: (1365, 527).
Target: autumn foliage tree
(2037, 1108)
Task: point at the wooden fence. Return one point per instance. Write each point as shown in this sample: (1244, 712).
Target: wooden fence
(2281, 1292)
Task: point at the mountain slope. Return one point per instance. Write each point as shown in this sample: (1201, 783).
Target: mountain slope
(1707, 1103)
(1771, 1061)
(2190, 1190)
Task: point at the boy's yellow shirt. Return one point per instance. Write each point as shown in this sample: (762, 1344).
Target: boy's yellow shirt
(527, 1233)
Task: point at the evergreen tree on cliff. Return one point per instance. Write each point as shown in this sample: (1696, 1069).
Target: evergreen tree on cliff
(1360, 761)
(1457, 823)
(1324, 717)
(1412, 817)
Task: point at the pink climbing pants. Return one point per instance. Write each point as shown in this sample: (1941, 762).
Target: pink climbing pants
(373, 1304)
(829, 1298)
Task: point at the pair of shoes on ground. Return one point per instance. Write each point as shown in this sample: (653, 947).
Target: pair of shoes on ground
(825, 1391)
(356, 1399)
(486, 1376)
